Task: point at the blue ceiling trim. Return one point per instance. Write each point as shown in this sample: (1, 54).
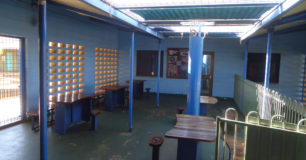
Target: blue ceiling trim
(121, 16)
(298, 28)
(296, 17)
(280, 10)
(101, 18)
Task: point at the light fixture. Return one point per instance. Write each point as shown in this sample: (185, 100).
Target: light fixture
(211, 29)
(197, 23)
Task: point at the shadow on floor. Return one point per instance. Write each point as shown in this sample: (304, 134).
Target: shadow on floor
(111, 141)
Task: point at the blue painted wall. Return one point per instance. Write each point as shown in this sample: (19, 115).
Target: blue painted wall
(17, 19)
(228, 62)
(229, 59)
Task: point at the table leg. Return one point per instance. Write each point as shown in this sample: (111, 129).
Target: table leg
(86, 109)
(108, 101)
(141, 88)
(135, 90)
(187, 150)
(76, 113)
(203, 109)
(62, 118)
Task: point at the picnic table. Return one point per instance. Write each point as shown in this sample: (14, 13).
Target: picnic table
(189, 130)
(71, 109)
(204, 101)
(137, 87)
(114, 95)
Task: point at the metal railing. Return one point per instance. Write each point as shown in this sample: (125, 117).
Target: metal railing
(271, 130)
(277, 104)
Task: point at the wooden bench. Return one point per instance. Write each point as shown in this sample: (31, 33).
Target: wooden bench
(94, 119)
(239, 148)
(180, 110)
(230, 139)
(156, 142)
(34, 116)
(148, 90)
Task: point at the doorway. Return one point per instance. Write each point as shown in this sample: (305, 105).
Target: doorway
(207, 74)
(11, 109)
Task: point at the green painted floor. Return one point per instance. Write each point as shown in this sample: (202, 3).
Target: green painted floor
(111, 141)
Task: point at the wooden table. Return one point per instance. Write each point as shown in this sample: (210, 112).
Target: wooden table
(204, 100)
(114, 95)
(71, 109)
(137, 87)
(189, 130)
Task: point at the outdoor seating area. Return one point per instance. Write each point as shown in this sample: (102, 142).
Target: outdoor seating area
(153, 79)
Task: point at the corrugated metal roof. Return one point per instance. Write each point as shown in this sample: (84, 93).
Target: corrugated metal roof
(243, 12)
(217, 17)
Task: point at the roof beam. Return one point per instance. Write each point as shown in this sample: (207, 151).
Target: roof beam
(298, 28)
(197, 20)
(121, 16)
(277, 12)
(61, 7)
(296, 17)
(198, 6)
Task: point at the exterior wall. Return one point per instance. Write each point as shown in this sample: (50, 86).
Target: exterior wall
(292, 61)
(229, 59)
(20, 20)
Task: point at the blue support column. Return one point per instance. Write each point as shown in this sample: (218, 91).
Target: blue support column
(187, 149)
(131, 83)
(158, 74)
(244, 72)
(42, 83)
(195, 60)
(267, 72)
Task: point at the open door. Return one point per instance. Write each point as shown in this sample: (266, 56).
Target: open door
(207, 74)
(10, 80)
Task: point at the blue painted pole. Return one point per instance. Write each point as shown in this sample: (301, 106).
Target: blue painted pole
(158, 74)
(267, 73)
(195, 60)
(42, 83)
(244, 72)
(131, 82)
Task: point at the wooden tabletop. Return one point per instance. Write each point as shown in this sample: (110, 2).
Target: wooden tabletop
(114, 88)
(136, 81)
(208, 100)
(71, 98)
(195, 128)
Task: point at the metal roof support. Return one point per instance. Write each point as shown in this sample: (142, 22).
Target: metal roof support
(267, 72)
(296, 17)
(73, 10)
(298, 28)
(191, 149)
(195, 61)
(42, 83)
(244, 71)
(158, 73)
(121, 16)
(131, 82)
(281, 9)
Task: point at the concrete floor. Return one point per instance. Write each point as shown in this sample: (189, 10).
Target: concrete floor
(111, 141)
